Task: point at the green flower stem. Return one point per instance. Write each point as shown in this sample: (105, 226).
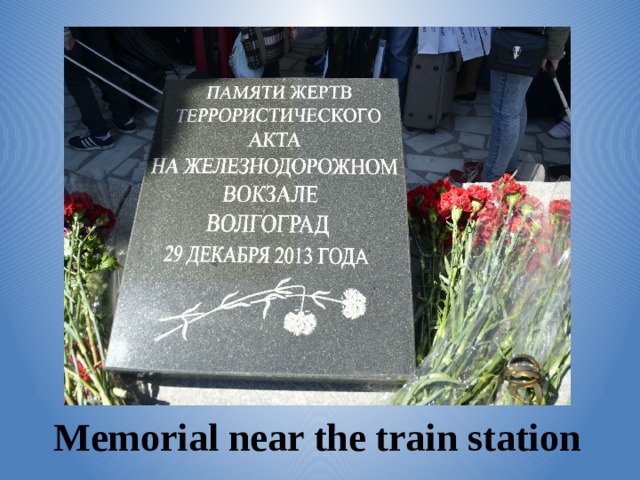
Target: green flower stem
(493, 307)
(90, 368)
(91, 318)
(428, 301)
(464, 325)
(81, 320)
(81, 382)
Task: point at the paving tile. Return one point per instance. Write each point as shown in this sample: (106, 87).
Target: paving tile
(446, 122)
(550, 142)
(69, 127)
(118, 190)
(533, 157)
(71, 115)
(138, 175)
(530, 172)
(483, 98)
(110, 159)
(439, 151)
(453, 148)
(529, 143)
(147, 133)
(426, 141)
(413, 177)
(458, 108)
(475, 154)
(480, 125)
(483, 110)
(556, 157)
(150, 120)
(533, 127)
(432, 177)
(69, 102)
(125, 168)
(287, 63)
(407, 134)
(472, 140)
(74, 160)
(427, 163)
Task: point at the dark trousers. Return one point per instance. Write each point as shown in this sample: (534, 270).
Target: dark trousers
(271, 70)
(77, 80)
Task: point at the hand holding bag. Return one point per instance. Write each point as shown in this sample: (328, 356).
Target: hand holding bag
(238, 62)
(517, 51)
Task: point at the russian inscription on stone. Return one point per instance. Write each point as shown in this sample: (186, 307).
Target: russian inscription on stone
(270, 238)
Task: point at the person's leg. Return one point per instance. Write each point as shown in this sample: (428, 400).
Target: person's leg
(77, 82)
(271, 70)
(97, 38)
(401, 44)
(468, 78)
(509, 120)
(562, 129)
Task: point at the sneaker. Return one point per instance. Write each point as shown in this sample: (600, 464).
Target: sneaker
(468, 166)
(459, 177)
(561, 130)
(479, 166)
(315, 59)
(314, 70)
(128, 127)
(87, 141)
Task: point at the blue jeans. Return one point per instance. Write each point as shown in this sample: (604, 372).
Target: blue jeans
(401, 45)
(509, 109)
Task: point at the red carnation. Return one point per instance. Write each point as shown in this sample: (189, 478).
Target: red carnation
(441, 186)
(479, 196)
(416, 200)
(101, 216)
(509, 190)
(68, 205)
(514, 187)
(454, 198)
(81, 201)
(560, 210)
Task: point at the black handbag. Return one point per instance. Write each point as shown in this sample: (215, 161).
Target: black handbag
(517, 51)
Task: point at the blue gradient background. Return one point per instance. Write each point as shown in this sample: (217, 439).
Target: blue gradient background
(606, 171)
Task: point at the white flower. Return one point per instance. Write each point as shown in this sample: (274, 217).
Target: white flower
(300, 323)
(354, 304)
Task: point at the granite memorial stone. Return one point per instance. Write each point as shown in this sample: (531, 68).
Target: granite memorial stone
(270, 238)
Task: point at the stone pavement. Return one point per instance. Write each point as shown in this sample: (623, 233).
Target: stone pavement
(463, 135)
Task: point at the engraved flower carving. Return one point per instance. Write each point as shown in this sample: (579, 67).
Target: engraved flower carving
(300, 323)
(354, 304)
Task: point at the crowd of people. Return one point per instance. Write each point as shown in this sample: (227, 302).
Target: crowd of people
(347, 53)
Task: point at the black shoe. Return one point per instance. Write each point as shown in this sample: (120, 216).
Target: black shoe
(128, 127)
(559, 171)
(86, 141)
(459, 177)
(469, 97)
(313, 59)
(314, 70)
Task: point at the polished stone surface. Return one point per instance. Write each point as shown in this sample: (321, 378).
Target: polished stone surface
(229, 275)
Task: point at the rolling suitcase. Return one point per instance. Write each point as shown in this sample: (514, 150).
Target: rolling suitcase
(430, 90)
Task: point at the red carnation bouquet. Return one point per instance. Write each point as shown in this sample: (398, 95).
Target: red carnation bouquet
(493, 313)
(87, 263)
